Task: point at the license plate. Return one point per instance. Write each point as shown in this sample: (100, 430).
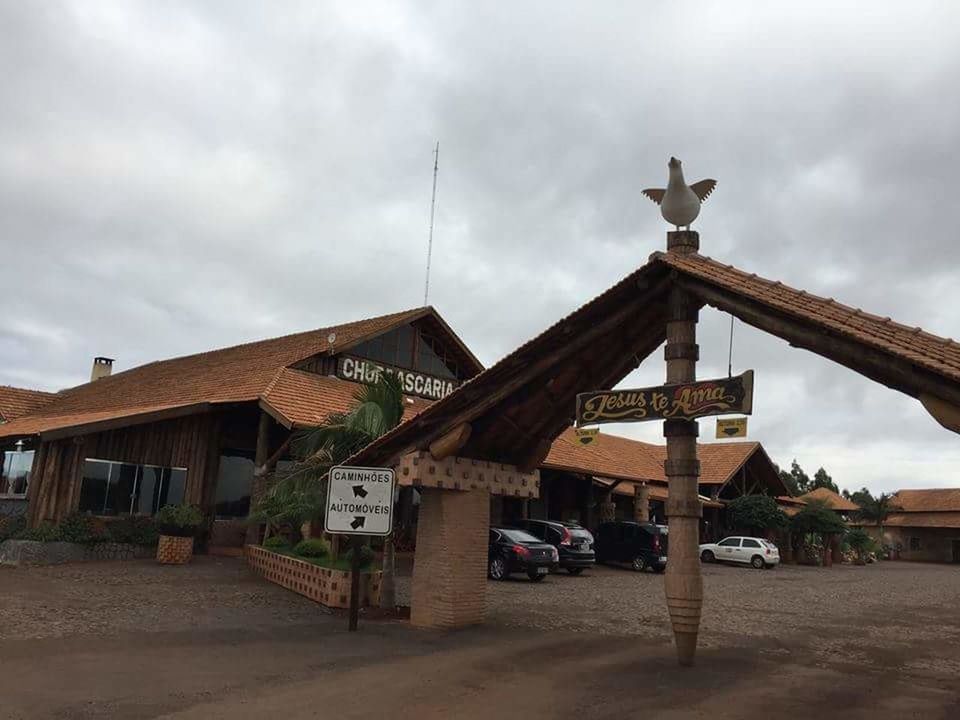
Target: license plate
(584, 547)
(542, 570)
(663, 559)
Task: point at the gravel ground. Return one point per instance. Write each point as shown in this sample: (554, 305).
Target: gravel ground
(858, 614)
(208, 640)
(142, 596)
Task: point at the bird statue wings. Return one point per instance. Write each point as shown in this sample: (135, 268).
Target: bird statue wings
(680, 203)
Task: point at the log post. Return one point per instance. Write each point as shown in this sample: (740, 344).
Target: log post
(259, 473)
(641, 503)
(683, 584)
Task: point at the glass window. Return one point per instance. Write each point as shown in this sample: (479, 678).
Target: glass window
(234, 484)
(93, 486)
(113, 488)
(914, 543)
(747, 542)
(15, 472)
(729, 542)
(518, 536)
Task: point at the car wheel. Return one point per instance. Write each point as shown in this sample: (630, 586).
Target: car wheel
(708, 557)
(757, 562)
(535, 577)
(639, 563)
(497, 569)
(574, 571)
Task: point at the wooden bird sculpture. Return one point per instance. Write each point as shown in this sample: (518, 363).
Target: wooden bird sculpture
(680, 203)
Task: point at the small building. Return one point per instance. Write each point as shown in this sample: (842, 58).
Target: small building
(924, 526)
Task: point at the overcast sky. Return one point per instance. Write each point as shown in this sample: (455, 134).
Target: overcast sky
(176, 177)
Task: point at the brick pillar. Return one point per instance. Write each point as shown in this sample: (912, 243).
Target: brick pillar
(641, 503)
(449, 587)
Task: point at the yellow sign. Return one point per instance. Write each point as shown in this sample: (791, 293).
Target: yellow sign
(585, 436)
(731, 427)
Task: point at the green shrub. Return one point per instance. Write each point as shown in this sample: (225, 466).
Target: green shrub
(366, 556)
(179, 520)
(81, 529)
(46, 532)
(276, 542)
(312, 548)
(133, 529)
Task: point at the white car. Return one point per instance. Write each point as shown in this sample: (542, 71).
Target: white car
(749, 550)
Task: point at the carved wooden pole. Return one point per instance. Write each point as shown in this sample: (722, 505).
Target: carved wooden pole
(641, 503)
(683, 583)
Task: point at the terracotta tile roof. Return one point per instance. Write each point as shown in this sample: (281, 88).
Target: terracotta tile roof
(619, 457)
(303, 399)
(235, 374)
(15, 401)
(923, 520)
(933, 500)
(832, 499)
(940, 355)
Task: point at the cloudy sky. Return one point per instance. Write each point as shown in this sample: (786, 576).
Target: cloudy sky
(180, 176)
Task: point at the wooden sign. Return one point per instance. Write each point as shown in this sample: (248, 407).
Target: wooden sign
(731, 427)
(585, 436)
(684, 401)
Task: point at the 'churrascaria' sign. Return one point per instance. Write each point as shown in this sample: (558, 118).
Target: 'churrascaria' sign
(684, 401)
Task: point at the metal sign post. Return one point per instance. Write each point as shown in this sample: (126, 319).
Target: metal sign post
(359, 503)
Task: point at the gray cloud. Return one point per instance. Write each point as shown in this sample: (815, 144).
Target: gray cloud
(177, 177)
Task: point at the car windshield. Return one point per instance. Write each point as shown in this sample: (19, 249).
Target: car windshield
(767, 543)
(520, 536)
(580, 533)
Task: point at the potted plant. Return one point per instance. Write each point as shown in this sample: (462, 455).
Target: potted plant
(178, 524)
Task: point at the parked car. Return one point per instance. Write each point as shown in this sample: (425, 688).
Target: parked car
(754, 551)
(642, 544)
(517, 551)
(574, 544)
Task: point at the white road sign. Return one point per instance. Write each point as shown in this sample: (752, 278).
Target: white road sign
(360, 500)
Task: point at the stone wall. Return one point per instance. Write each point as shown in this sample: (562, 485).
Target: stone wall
(30, 552)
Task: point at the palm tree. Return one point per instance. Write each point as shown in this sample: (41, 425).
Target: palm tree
(298, 496)
(876, 509)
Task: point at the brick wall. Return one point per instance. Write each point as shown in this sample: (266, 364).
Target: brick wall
(450, 568)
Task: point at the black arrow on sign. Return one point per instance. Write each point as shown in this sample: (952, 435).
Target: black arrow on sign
(359, 492)
(358, 522)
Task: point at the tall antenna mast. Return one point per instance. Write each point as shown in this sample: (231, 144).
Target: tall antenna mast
(433, 207)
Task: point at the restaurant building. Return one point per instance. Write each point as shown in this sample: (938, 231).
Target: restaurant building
(16, 458)
(194, 429)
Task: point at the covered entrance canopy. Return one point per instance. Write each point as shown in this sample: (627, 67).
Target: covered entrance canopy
(518, 406)
(491, 434)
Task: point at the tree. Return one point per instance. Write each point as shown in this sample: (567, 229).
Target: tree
(297, 497)
(876, 509)
(788, 480)
(860, 541)
(822, 479)
(860, 497)
(756, 513)
(817, 518)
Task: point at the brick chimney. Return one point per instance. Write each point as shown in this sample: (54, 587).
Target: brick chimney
(102, 367)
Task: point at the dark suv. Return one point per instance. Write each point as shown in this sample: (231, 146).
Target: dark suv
(574, 544)
(642, 544)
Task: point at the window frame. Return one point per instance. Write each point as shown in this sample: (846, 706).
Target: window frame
(135, 494)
